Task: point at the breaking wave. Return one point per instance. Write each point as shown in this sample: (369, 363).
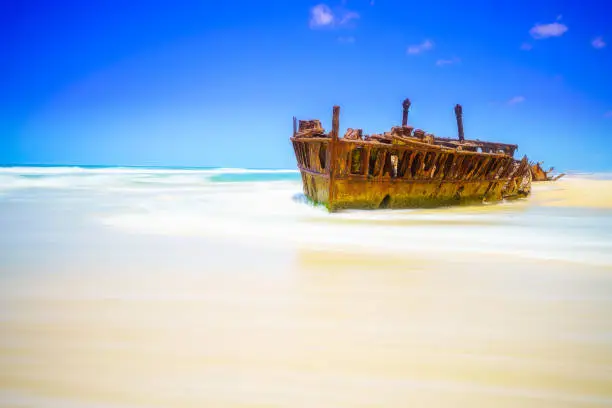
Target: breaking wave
(14, 178)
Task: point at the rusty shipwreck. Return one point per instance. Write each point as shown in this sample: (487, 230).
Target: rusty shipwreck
(539, 174)
(405, 167)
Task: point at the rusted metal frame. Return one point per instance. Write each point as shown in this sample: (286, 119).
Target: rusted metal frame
(404, 164)
(382, 162)
(457, 166)
(500, 169)
(313, 173)
(459, 159)
(311, 163)
(434, 165)
(317, 151)
(523, 167)
(489, 187)
(328, 157)
(477, 162)
(428, 164)
(412, 144)
(440, 160)
(484, 162)
(481, 172)
(300, 146)
(332, 147)
(387, 165)
(323, 146)
(446, 169)
(365, 179)
(344, 160)
(309, 155)
(486, 169)
(456, 163)
(408, 172)
(401, 162)
(459, 171)
(350, 159)
(424, 168)
(415, 162)
(395, 167)
(365, 163)
(420, 146)
(493, 174)
(504, 169)
(372, 167)
(508, 168)
(491, 171)
(305, 161)
(371, 162)
(301, 154)
(480, 168)
(468, 165)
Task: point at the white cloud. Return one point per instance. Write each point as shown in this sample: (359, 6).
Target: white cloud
(346, 40)
(540, 31)
(442, 62)
(608, 114)
(516, 99)
(598, 43)
(321, 15)
(526, 46)
(417, 49)
(351, 15)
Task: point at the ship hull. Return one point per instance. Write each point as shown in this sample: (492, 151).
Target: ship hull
(364, 194)
(363, 175)
(354, 193)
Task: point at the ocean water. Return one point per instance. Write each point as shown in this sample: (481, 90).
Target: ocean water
(146, 287)
(268, 205)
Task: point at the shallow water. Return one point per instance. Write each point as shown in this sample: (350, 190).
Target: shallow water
(220, 287)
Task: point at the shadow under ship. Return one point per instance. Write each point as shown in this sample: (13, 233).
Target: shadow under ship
(404, 168)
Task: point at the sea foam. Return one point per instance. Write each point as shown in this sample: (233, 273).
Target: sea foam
(268, 208)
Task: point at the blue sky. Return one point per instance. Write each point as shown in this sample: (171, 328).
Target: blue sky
(208, 83)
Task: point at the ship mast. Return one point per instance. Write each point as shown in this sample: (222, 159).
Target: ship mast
(406, 105)
(459, 115)
(335, 123)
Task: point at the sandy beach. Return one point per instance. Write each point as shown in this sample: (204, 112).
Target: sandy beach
(123, 296)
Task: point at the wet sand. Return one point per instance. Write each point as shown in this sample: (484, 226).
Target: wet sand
(131, 320)
(331, 330)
